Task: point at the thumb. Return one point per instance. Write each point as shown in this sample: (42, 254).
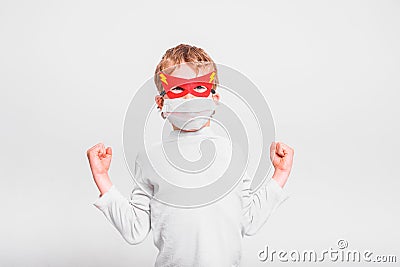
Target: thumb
(109, 151)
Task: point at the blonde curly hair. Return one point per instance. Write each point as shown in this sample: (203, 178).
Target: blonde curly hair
(196, 57)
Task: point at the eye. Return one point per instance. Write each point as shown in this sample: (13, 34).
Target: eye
(177, 89)
(200, 89)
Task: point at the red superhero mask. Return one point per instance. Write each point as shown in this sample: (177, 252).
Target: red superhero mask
(175, 87)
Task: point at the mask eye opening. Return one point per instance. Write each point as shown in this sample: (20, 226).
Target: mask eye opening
(177, 88)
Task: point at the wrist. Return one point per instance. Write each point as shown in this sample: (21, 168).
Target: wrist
(280, 176)
(103, 182)
(101, 176)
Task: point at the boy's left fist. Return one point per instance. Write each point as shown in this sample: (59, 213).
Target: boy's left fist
(282, 158)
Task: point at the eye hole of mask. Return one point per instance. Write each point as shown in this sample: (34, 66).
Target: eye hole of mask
(177, 90)
(200, 89)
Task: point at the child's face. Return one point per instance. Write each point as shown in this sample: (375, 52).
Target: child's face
(186, 72)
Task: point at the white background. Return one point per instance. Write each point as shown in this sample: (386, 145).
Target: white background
(329, 70)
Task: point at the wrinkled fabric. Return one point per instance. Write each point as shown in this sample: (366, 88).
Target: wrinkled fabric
(206, 236)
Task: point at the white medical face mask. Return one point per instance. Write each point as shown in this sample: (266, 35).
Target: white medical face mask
(189, 114)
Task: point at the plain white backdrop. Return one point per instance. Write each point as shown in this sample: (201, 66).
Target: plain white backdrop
(68, 70)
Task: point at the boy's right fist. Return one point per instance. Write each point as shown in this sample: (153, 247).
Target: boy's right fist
(99, 159)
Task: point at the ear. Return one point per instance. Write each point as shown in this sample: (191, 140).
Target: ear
(159, 101)
(216, 97)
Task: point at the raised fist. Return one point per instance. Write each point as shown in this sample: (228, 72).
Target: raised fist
(99, 159)
(282, 158)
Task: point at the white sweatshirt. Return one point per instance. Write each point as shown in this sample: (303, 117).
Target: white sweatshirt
(208, 236)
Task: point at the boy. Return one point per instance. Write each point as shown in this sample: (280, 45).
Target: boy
(204, 236)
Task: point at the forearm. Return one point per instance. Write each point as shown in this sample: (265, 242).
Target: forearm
(103, 182)
(261, 204)
(130, 218)
(281, 177)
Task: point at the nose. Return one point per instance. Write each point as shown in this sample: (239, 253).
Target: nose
(188, 96)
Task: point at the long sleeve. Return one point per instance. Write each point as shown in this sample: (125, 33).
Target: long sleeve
(259, 205)
(130, 217)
